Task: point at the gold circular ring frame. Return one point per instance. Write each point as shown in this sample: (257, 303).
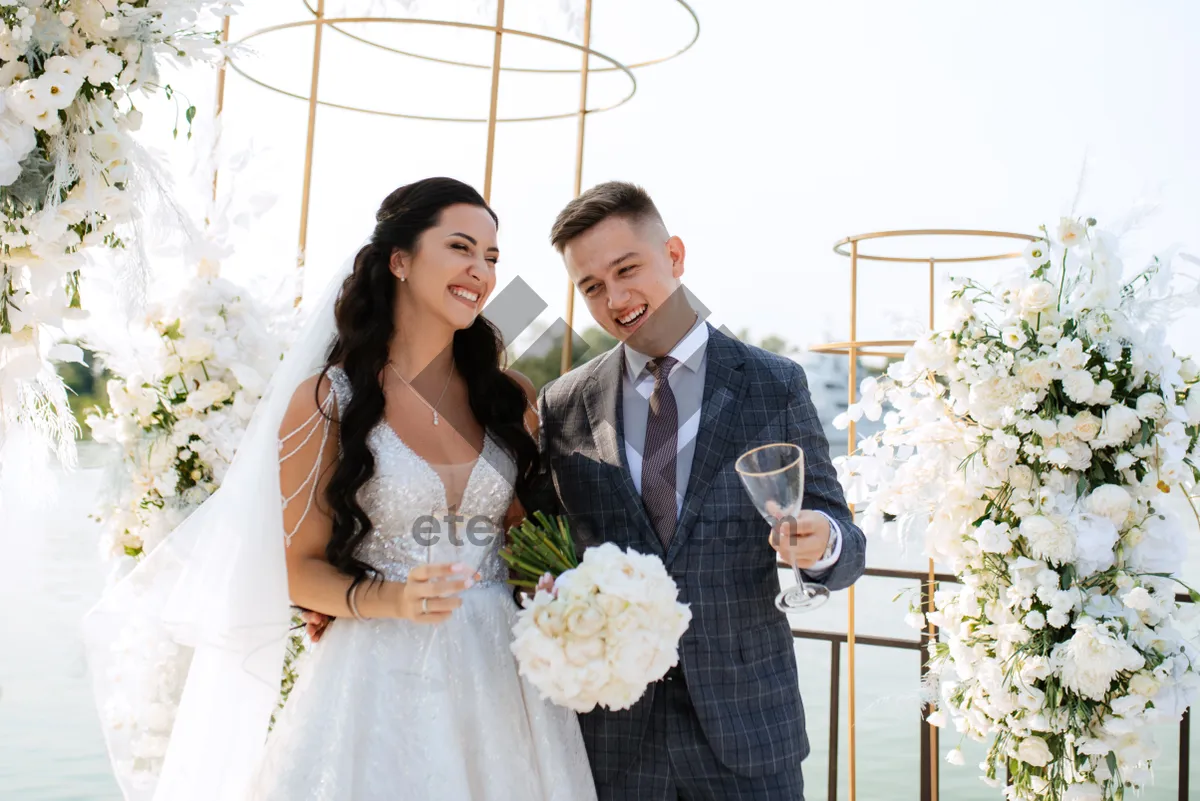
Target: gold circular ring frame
(841, 247)
(333, 21)
(613, 66)
(866, 348)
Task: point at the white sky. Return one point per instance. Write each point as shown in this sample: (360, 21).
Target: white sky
(790, 125)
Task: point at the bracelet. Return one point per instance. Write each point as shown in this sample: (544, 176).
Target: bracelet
(353, 603)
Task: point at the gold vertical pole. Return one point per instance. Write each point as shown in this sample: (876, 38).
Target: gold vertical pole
(306, 194)
(492, 110)
(934, 750)
(583, 91)
(852, 390)
(220, 104)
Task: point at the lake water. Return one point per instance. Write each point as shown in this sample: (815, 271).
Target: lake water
(50, 743)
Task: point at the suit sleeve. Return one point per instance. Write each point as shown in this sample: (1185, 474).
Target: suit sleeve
(543, 496)
(822, 492)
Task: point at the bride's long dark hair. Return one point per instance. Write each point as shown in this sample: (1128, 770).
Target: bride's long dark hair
(365, 326)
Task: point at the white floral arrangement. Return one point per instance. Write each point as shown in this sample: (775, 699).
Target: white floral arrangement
(1038, 445)
(178, 424)
(69, 70)
(602, 632)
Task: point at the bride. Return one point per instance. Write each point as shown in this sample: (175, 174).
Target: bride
(373, 487)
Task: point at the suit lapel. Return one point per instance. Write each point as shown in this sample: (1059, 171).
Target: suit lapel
(724, 389)
(602, 400)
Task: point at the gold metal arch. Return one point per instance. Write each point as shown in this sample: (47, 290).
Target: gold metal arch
(472, 65)
(853, 348)
(330, 23)
(319, 22)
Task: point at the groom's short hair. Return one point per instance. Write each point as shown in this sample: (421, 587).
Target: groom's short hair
(611, 199)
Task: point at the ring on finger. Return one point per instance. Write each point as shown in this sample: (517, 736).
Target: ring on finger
(425, 606)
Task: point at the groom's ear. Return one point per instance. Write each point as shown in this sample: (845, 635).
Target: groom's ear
(676, 252)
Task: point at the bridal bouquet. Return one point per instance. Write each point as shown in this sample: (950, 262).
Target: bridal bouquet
(603, 630)
(1041, 445)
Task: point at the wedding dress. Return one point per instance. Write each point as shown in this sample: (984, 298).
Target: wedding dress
(381, 709)
(392, 709)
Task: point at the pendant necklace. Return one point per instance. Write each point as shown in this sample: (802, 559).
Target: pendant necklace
(434, 407)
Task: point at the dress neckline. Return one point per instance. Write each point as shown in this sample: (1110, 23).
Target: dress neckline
(384, 424)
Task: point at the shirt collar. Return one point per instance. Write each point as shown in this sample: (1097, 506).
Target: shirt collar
(689, 352)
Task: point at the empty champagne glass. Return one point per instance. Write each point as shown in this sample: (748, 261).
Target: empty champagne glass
(774, 478)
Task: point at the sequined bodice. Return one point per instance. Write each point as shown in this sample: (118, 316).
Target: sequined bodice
(406, 501)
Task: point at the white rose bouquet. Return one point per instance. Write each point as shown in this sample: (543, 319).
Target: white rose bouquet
(1038, 445)
(597, 631)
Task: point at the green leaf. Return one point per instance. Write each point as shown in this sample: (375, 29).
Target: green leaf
(190, 114)
(1081, 486)
(1068, 576)
(1195, 596)
(1111, 760)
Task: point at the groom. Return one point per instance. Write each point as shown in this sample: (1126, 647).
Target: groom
(640, 443)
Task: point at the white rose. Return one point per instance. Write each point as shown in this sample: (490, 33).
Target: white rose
(583, 651)
(584, 620)
(1085, 426)
(549, 619)
(1151, 406)
(195, 350)
(1036, 374)
(1049, 335)
(1144, 683)
(208, 394)
(1079, 386)
(1038, 296)
(1034, 751)
(1000, 455)
(1111, 501)
(1069, 354)
(1013, 337)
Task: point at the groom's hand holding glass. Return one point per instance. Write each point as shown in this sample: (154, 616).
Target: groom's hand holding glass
(802, 539)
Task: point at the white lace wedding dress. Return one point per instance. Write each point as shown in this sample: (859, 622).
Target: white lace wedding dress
(396, 710)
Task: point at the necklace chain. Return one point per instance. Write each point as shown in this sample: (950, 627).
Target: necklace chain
(434, 407)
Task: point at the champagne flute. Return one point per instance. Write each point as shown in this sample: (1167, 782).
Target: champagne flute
(774, 478)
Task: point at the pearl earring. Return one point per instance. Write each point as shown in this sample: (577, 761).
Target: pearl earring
(402, 279)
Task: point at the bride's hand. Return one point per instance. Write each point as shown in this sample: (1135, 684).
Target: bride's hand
(429, 594)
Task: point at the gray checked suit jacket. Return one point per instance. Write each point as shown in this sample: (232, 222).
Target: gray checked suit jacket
(737, 655)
